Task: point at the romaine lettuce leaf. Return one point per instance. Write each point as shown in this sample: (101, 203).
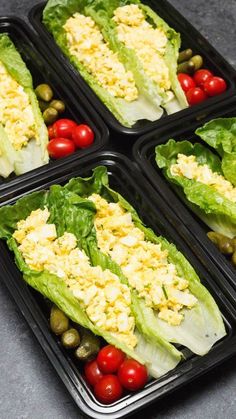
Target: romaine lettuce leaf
(102, 12)
(202, 325)
(220, 134)
(33, 155)
(217, 212)
(171, 55)
(146, 106)
(74, 214)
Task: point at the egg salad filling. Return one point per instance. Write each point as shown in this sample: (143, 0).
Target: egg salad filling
(188, 167)
(144, 263)
(148, 43)
(104, 298)
(86, 43)
(16, 113)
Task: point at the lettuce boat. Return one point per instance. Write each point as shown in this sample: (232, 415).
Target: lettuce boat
(73, 214)
(150, 99)
(214, 200)
(202, 325)
(24, 137)
(123, 19)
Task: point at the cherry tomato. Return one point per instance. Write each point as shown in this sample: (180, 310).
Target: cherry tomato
(108, 389)
(214, 86)
(63, 128)
(83, 136)
(195, 95)
(202, 75)
(132, 375)
(186, 81)
(50, 132)
(109, 359)
(60, 147)
(92, 372)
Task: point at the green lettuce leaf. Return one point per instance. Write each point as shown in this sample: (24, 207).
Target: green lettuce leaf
(220, 134)
(171, 56)
(146, 106)
(33, 155)
(102, 12)
(202, 325)
(218, 212)
(74, 214)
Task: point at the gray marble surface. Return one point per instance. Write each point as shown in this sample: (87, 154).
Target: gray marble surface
(29, 386)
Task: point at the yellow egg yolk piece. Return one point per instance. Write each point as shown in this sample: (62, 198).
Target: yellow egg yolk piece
(144, 263)
(187, 166)
(105, 299)
(16, 114)
(86, 43)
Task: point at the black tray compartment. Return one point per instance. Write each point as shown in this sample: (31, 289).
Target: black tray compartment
(144, 156)
(128, 181)
(190, 37)
(77, 108)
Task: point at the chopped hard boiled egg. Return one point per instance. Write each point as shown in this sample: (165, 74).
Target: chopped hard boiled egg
(188, 167)
(105, 299)
(144, 263)
(86, 43)
(16, 113)
(149, 43)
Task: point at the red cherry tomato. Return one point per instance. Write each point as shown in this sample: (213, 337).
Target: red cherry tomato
(50, 132)
(202, 75)
(195, 95)
(92, 372)
(214, 86)
(186, 81)
(108, 389)
(83, 136)
(132, 375)
(63, 128)
(60, 147)
(109, 359)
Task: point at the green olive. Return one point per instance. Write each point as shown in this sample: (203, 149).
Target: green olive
(234, 258)
(70, 339)
(185, 55)
(197, 61)
(42, 104)
(58, 105)
(224, 243)
(225, 246)
(214, 237)
(234, 242)
(44, 92)
(50, 115)
(185, 67)
(59, 323)
(89, 346)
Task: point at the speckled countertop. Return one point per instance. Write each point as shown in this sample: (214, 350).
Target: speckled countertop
(29, 386)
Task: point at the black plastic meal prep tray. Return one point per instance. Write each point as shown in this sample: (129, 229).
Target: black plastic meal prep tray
(144, 156)
(42, 71)
(190, 37)
(127, 180)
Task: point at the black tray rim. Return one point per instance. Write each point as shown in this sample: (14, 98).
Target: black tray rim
(203, 364)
